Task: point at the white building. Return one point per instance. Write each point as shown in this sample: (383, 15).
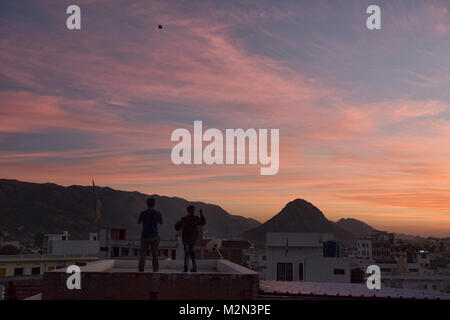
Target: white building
(59, 244)
(299, 257)
(114, 244)
(364, 248)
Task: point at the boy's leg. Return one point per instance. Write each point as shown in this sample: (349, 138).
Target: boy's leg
(142, 254)
(192, 253)
(186, 257)
(154, 245)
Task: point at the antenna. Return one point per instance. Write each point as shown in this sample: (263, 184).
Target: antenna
(214, 246)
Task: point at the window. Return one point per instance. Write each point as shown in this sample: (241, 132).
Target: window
(18, 271)
(339, 271)
(125, 252)
(35, 271)
(264, 258)
(2, 272)
(136, 252)
(300, 271)
(115, 251)
(284, 271)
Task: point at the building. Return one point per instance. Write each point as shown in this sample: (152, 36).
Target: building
(364, 248)
(49, 238)
(231, 250)
(299, 257)
(379, 246)
(114, 244)
(119, 280)
(345, 291)
(35, 264)
(62, 245)
(256, 259)
(382, 246)
(423, 282)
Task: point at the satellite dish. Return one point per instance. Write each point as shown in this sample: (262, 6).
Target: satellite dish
(214, 246)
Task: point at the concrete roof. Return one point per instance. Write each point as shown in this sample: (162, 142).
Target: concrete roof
(345, 290)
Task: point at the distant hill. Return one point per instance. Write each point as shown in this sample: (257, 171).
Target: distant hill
(355, 226)
(28, 208)
(299, 216)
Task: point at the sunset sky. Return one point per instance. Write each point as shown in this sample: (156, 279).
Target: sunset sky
(364, 115)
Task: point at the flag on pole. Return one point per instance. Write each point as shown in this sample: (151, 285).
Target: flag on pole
(98, 204)
(287, 246)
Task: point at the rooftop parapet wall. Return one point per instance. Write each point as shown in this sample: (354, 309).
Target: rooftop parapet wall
(119, 280)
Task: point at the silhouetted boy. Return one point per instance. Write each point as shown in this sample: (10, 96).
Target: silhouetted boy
(189, 226)
(149, 219)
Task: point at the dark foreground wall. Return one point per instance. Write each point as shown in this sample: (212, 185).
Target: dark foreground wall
(145, 286)
(119, 280)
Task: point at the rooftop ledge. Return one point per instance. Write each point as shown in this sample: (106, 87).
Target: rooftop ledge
(121, 280)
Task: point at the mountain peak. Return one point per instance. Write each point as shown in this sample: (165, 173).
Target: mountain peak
(355, 226)
(298, 215)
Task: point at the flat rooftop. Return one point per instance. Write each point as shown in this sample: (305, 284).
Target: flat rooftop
(165, 266)
(121, 280)
(351, 290)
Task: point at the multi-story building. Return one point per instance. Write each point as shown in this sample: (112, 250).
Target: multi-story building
(379, 246)
(115, 245)
(299, 257)
(382, 246)
(364, 248)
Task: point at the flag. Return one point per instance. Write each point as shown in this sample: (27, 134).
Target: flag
(287, 246)
(98, 204)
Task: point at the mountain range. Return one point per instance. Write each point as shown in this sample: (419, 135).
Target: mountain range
(28, 208)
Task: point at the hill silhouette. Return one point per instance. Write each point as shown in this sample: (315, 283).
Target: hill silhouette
(298, 216)
(27, 208)
(355, 226)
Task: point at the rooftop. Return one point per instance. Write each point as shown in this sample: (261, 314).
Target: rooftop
(353, 290)
(46, 257)
(165, 266)
(120, 279)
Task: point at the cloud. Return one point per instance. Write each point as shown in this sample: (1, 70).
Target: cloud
(379, 153)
